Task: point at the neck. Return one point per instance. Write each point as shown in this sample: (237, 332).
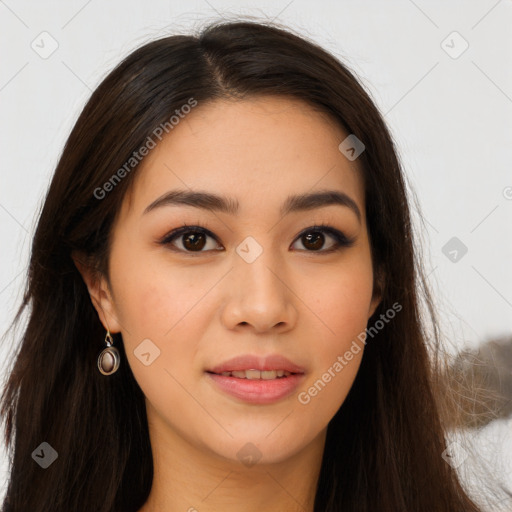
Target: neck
(188, 479)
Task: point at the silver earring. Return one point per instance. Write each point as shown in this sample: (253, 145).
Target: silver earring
(109, 359)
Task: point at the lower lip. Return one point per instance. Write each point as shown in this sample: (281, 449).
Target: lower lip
(257, 391)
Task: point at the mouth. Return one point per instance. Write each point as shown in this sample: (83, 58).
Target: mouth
(257, 374)
(250, 366)
(256, 380)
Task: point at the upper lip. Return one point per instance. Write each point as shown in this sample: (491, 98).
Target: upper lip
(262, 363)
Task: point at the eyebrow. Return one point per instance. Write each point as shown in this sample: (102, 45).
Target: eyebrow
(214, 202)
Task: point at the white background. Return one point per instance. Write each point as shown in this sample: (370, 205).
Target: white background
(451, 119)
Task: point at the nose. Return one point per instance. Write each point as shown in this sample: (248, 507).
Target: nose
(259, 296)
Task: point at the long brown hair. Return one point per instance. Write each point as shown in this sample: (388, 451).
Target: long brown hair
(384, 445)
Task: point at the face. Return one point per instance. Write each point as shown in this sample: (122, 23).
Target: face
(259, 289)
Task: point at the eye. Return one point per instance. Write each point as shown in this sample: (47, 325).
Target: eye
(313, 239)
(194, 239)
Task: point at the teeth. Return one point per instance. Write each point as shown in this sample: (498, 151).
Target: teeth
(252, 374)
(257, 374)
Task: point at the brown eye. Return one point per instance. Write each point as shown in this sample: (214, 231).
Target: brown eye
(313, 239)
(193, 239)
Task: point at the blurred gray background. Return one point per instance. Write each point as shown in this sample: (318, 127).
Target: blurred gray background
(440, 72)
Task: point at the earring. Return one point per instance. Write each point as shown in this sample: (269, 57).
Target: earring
(109, 359)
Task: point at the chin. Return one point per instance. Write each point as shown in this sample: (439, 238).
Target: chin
(262, 445)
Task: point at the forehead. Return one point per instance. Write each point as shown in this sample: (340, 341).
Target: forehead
(257, 150)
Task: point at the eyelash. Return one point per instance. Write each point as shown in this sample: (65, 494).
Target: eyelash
(341, 241)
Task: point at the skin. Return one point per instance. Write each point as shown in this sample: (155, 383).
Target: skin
(201, 309)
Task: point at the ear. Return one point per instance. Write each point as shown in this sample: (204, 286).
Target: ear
(379, 283)
(99, 292)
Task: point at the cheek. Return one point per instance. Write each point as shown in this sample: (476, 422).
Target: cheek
(153, 296)
(335, 361)
(341, 310)
(343, 303)
(163, 311)
(340, 298)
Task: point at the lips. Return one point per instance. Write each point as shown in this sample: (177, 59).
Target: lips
(257, 380)
(271, 363)
(257, 374)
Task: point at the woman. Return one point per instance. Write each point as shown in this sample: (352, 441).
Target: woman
(225, 296)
